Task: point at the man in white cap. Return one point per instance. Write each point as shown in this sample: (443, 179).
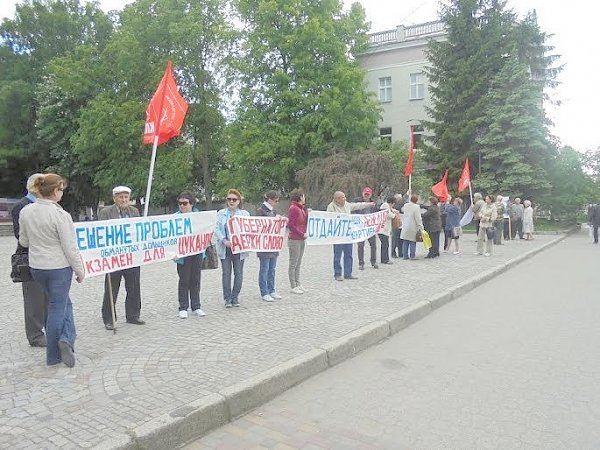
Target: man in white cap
(133, 299)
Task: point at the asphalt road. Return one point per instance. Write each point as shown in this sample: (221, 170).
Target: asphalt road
(512, 364)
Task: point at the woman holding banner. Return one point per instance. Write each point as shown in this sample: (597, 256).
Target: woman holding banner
(229, 261)
(297, 221)
(188, 268)
(268, 260)
(47, 230)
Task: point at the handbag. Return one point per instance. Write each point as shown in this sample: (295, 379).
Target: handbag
(20, 268)
(456, 232)
(419, 236)
(211, 259)
(396, 222)
(490, 232)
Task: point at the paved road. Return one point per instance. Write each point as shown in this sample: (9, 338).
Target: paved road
(512, 364)
(126, 380)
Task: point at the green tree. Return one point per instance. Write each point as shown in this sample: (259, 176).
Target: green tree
(303, 96)
(488, 56)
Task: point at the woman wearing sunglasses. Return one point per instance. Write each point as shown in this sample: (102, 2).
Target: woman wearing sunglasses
(188, 268)
(230, 262)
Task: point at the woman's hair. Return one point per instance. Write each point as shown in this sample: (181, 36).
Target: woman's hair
(188, 196)
(527, 203)
(236, 193)
(458, 201)
(31, 182)
(391, 200)
(414, 198)
(296, 194)
(271, 195)
(433, 200)
(47, 183)
(490, 197)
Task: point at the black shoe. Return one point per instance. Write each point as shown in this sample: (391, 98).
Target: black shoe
(361, 267)
(66, 354)
(109, 326)
(387, 262)
(39, 342)
(235, 303)
(136, 322)
(375, 266)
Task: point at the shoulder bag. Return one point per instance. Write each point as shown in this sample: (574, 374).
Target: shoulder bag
(211, 259)
(20, 267)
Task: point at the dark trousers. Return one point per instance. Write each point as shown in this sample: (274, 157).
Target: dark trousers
(188, 289)
(505, 230)
(396, 243)
(232, 264)
(361, 251)
(476, 222)
(434, 251)
(516, 227)
(35, 306)
(447, 239)
(385, 248)
(595, 227)
(133, 298)
(346, 250)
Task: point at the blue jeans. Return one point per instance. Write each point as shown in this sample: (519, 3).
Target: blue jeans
(232, 263)
(266, 274)
(346, 249)
(409, 248)
(60, 324)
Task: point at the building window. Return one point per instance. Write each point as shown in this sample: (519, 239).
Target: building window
(418, 133)
(417, 88)
(385, 90)
(385, 134)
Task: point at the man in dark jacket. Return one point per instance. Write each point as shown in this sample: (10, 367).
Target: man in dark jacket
(594, 219)
(367, 196)
(432, 222)
(34, 298)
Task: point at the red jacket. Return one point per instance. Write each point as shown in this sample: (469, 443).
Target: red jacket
(297, 218)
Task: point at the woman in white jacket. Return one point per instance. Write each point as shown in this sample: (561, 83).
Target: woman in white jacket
(411, 224)
(53, 257)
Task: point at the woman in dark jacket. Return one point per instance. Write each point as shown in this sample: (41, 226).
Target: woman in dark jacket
(432, 222)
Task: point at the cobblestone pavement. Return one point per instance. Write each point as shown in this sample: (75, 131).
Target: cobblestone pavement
(512, 364)
(124, 380)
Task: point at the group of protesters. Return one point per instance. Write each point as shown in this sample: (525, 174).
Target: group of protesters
(46, 232)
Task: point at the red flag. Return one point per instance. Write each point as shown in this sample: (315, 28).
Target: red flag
(441, 189)
(465, 177)
(166, 111)
(411, 154)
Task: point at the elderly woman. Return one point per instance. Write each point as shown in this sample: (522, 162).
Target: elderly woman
(487, 217)
(528, 220)
(411, 225)
(385, 233)
(229, 261)
(189, 267)
(453, 228)
(47, 230)
(432, 221)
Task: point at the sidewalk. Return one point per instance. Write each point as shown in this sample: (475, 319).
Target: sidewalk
(165, 383)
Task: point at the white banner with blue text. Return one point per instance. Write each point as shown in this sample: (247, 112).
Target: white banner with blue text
(110, 245)
(337, 228)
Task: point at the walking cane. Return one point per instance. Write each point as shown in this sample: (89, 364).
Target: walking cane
(112, 304)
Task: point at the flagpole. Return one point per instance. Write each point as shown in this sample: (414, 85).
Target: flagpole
(150, 174)
(470, 192)
(409, 185)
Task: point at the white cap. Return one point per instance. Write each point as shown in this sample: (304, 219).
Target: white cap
(120, 189)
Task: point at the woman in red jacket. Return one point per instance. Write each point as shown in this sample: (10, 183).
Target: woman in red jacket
(297, 218)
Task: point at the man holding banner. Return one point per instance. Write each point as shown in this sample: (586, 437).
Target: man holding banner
(133, 301)
(340, 205)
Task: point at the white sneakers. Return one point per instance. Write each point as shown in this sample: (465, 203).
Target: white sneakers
(456, 253)
(276, 296)
(487, 254)
(268, 298)
(297, 290)
(197, 312)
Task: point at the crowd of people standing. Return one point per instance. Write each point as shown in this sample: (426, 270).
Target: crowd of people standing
(45, 231)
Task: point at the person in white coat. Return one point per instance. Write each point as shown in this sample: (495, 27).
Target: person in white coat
(528, 220)
(411, 225)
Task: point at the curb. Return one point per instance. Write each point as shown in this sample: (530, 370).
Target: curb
(196, 419)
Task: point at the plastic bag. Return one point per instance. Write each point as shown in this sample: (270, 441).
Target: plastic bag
(426, 239)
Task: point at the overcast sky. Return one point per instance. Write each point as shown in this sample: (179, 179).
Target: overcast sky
(571, 22)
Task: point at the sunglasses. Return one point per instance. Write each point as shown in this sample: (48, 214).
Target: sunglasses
(61, 189)
(184, 203)
(232, 199)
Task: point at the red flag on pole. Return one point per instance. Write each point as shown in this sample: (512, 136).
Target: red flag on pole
(411, 153)
(166, 111)
(441, 189)
(465, 177)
